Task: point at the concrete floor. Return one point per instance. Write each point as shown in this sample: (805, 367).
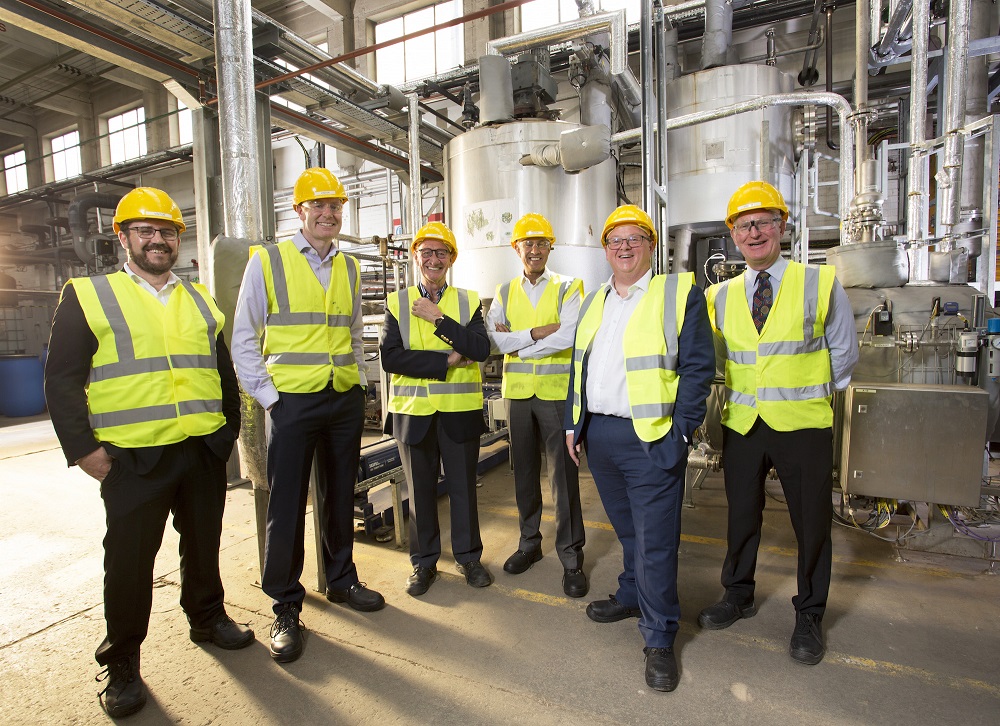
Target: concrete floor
(908, 642)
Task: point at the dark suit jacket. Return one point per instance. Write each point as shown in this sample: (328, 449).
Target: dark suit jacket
(72, 345)
(471, 341)
(696, 368)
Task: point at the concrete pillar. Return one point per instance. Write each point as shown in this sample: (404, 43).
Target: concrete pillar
(157, 122)
(90, 147)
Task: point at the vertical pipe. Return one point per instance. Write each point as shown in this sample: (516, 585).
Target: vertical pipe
(956, 62)
(663, 218)
(718, 37)
(240, 172)
(976, 85)
(916, 207)
(648, 105)
(416, 193)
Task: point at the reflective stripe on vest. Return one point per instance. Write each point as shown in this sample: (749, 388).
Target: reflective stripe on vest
(650, 344)
(783, 373)
(166, 391)
(462, 389)
(547, 377)
(292, 329)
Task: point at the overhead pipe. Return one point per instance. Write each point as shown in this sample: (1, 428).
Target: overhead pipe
(613, 23)
(956, 64)
(79, 227)
(809, 74)
(895, 34)
(812, 47)
(798, 98)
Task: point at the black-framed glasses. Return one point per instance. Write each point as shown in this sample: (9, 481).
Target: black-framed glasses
(633, 241)
(763, 225)
(167, 234)
(440, 254)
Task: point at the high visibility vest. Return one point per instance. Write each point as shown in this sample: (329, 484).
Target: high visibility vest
(307, 338)
(548, 377)
(782, 374)
(650, 345)
(462, 389)
(154, 379)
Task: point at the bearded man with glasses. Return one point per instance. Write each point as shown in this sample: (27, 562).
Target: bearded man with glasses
(643, 364)
(299, 352)
(432, 343)
(143, 398)
(532, 322)
(785, 335)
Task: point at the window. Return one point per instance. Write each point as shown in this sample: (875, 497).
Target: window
(185, 133)
(543, 13)
(15, 168)
(127, 135)
(421, 57)
(66, 156)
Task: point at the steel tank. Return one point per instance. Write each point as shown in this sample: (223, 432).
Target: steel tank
(709, 161)
(487, 190)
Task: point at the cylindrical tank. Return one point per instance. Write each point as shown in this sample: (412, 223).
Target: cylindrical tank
(487, 191)
(709, 161)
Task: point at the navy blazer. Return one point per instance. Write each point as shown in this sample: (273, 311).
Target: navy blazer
(696, 369)
(471, 341)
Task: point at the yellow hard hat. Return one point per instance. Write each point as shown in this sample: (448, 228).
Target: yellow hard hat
(317, 183)
(628, 214)
(532, 225)
(147, 203)
(755, 195)
(438, 231)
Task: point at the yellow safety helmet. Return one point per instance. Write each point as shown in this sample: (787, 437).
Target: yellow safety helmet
(628, 214)
(532, 225)
(147, 203)
(755, 195)
(438, 231)
(317, 183)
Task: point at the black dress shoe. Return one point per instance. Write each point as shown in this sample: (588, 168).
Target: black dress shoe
(225, 633)
(286, 634)
(359, 597)
(806, 646)
(521, 561)
(125, 693)
(610, 611)
(420, 581)
(575, 583)
(723, 614)
(475, 574)
(661, 669)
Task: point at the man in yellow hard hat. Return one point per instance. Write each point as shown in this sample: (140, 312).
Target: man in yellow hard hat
(643, 365)
(787, 340)
(298, 351)
(143, 398)
(432, 342)
(532, 322)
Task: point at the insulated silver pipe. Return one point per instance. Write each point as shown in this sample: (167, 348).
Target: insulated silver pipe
(238, 148)
(416, 189)
(718, 37)
(649, 178)
(976, 106)
(798, 98)
(663, 206)
(956, 62)
(916, 197)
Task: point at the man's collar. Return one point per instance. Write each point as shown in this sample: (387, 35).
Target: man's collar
(546, 275)
(424, 293)
(172, 279)
(642, 283)
(304, 246)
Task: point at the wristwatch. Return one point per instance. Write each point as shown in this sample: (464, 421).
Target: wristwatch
(438, 321)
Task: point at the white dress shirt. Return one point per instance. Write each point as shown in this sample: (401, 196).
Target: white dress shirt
(163, 294)
(519, 341)
(251, 318)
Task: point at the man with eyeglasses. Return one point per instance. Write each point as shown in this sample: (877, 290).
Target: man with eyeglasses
(785, 334)
(643, 364)
(532, 322)
(432, 343)
(299, 352)
(143, 397)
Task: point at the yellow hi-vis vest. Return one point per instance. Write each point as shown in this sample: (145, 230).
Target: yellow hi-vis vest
(783, 373)
(307, 338)
(548, 377)
(154, 379)
(650, 345)
(462, 388)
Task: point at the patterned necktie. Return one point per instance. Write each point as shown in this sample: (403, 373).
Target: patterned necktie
(761, 300)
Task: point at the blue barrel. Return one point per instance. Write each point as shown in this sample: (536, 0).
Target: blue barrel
(21, 389)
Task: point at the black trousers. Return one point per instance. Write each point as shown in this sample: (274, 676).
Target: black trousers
(327, 424)
(804, 462)
(421, 465)
(189, 481)
(536, 424)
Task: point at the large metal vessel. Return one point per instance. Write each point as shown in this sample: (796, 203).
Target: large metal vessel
(488, 190)
(709, 161)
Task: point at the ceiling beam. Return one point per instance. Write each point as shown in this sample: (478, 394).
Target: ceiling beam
(333, 9)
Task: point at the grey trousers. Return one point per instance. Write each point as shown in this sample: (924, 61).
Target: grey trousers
(534, 424)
